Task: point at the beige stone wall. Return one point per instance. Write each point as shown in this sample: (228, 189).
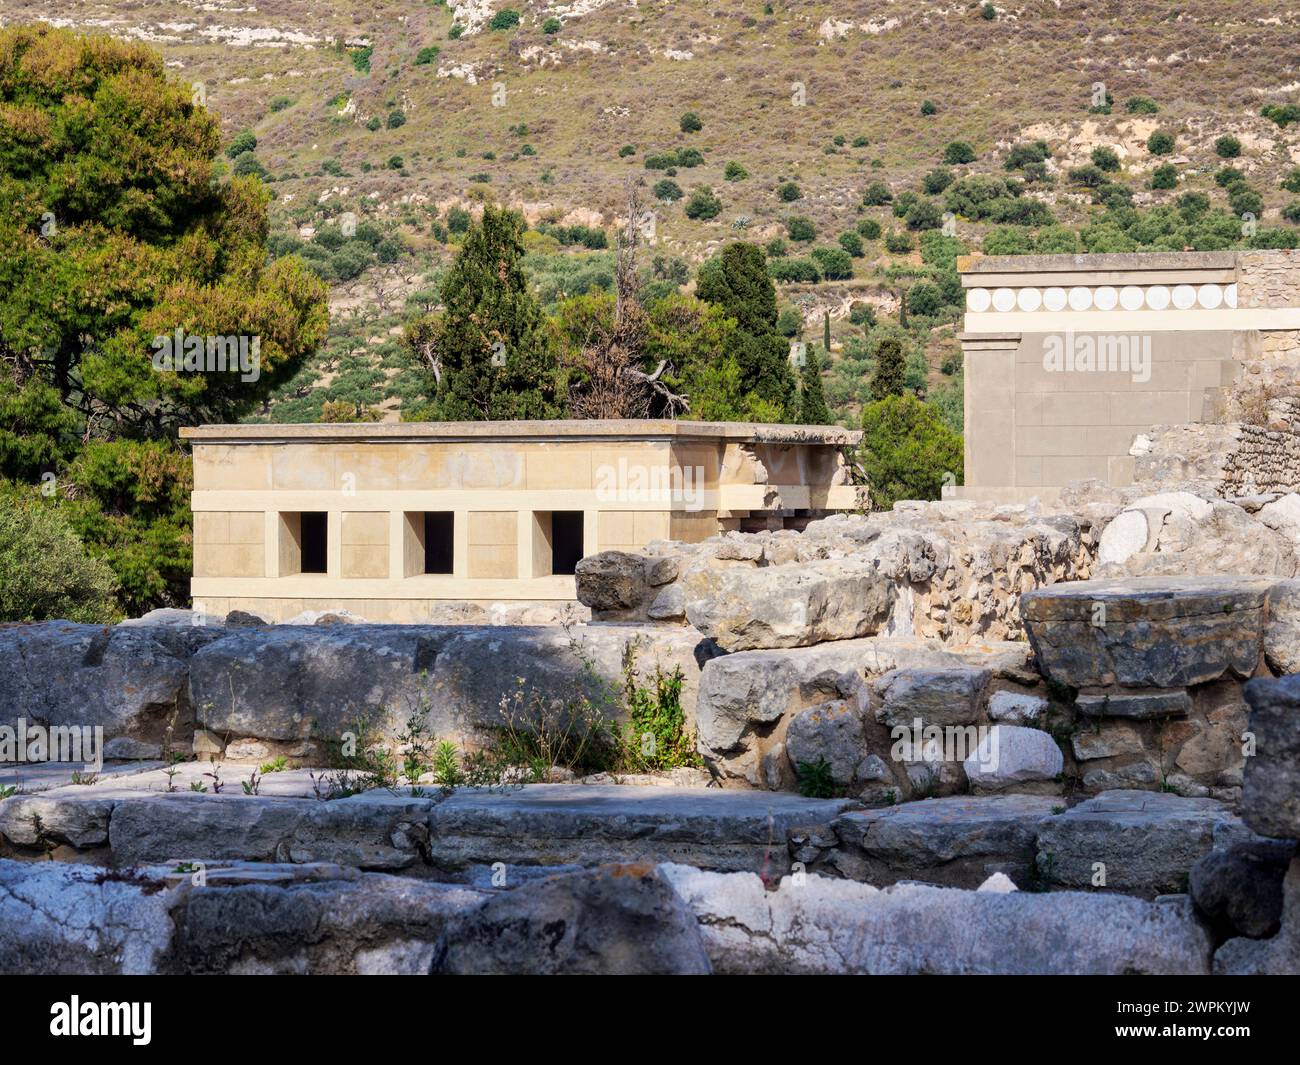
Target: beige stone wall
(229, 544)
(502, 493)
(1033, 425)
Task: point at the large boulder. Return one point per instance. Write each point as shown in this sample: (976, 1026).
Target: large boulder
(128, 680)
(1138, 842)
(749, 607)
(811, 924)
(935, 696)
(1148, 632)
(1270, 798)
(834, 733)
(303, 688)
(616, 920)
(1012, 755)
(1180, 533)
(1238, 885)
(79, 920)
(1282, 636)
(318, 919)
(611, 582)
(1279, 956)
(957, 840)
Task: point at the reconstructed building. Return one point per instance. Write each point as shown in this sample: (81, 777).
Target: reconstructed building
(1072, 360)
(388, 519)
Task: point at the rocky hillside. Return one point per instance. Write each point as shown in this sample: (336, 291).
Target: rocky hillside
(402, 112)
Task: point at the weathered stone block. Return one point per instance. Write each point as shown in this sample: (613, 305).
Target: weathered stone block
(1147, 632)
(1139, 842)
(1270, 798)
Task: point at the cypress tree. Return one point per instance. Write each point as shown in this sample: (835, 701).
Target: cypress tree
(888, 378)
(812, 400)
(740, 284)
(826, 333)
(493, 353)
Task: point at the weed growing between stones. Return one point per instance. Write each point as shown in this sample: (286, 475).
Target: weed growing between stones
(815, 779)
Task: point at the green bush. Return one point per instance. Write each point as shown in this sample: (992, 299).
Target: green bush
(552, 26)
(800, 229)
(789, 192)
(988, 12)
(505, 19)
(907, 450)
(799, 270)
(1228, 175)
(877, 194)
(1291, 212)
(835, 263)
(1227, 147)
(1141, 105)
(281, 103)
(928, 108)
(668, 190)
(689, 157)
(626, 150)
(958, 152)
(425, 56)
(735, 172)
(1242, 199)
(396, 118)
(243, 141)
(1291, 182)
(1165, 176)
(1160, 143)
(373, 123)
(1105, 159)
(690, 123)
(852, 243)
(45, 573)
(1026, 153)
(924, 214)
(1282, 114)
(937, 180)
(703, 204)
(898, 242)
(869, 229)
(453, 34)
(1090, 176)
(361, 59)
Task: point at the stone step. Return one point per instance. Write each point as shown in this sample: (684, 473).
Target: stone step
(546, 824)
(1134, 842)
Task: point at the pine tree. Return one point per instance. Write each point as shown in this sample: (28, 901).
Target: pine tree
(889, 376)
(739, 283)
(812, 400)
(488, 350)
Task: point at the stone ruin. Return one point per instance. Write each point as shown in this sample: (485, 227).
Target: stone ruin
(1069, 732)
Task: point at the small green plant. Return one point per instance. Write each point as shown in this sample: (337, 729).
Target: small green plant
(252, 784)
(8, 790)
(361, 58)
(276, 765)
(84, 779)
(198, 785)
(456, 30)
(446, 765)
(815, 779)
(656, 733)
